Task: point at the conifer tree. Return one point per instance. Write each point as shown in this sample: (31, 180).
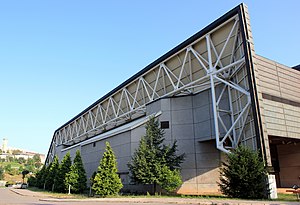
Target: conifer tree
(64, 168)
(51, 173)
(107, 182)
(152, 155)
(44, 174)
(39, 182)
(76, 177)
(244, 175)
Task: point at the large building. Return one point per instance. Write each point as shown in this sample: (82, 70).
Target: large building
(211, 93)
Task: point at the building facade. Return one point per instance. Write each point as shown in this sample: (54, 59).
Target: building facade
(210, 93)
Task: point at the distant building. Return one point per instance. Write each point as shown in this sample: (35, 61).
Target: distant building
(9, 152)
(4, 145)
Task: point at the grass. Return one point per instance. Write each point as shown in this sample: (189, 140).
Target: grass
(281, 197)
(287, 197)
(58, 195)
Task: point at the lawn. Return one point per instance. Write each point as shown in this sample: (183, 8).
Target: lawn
(281, 197)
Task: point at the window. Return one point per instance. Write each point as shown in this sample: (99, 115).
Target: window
(164, 125)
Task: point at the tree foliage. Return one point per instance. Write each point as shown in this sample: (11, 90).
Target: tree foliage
(152, 159)
(244, 175)
(76, 177)
(60, 177)
(37, 162)
(170, 180)
(107, 182)
(51, 173)
(1, 173)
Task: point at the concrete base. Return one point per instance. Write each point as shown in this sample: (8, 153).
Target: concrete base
(272, 186)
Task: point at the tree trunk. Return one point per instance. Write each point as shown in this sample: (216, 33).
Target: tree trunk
(154, 186)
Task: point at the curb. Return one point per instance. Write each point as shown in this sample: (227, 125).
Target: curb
(33, 194)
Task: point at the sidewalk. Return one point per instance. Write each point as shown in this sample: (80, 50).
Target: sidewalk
(44, 197)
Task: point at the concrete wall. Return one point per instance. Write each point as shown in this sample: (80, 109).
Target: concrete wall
(191, 124)
(123, 145)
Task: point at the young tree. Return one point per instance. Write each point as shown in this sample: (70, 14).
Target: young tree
(244, 175)
(107, 182)
(37, 161)
(1, 173)
(8, 168)
(64, 168)
(152, 155)
(41, 177)
(76, 177)
(52, 172)
(29, 165)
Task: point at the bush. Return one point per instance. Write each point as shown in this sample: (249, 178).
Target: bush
(244, 176)
(32, 181)
(170, 180)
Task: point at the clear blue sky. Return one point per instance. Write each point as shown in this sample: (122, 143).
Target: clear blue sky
(58, 57)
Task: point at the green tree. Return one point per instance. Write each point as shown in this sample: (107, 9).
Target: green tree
(64, 168)
(37, 162)
(32, 181)
(107, 182)
(29, 165)
(170, 180)
(76, 177)
(244, 175)
(21, 160)
(152, 155)
(51, 173)
(41, 177)
(8, 168)
(1, 173)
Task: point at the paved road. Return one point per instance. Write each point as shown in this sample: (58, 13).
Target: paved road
(27, 197)
(21, 197)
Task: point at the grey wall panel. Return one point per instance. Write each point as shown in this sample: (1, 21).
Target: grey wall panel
(203, 130)
(202, 99)
(183, 132)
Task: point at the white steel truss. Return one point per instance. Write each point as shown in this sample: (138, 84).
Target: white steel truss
(215, 61)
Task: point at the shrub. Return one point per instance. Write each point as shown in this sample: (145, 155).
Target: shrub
(244, 175)
(170, 180)
(32, 181)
